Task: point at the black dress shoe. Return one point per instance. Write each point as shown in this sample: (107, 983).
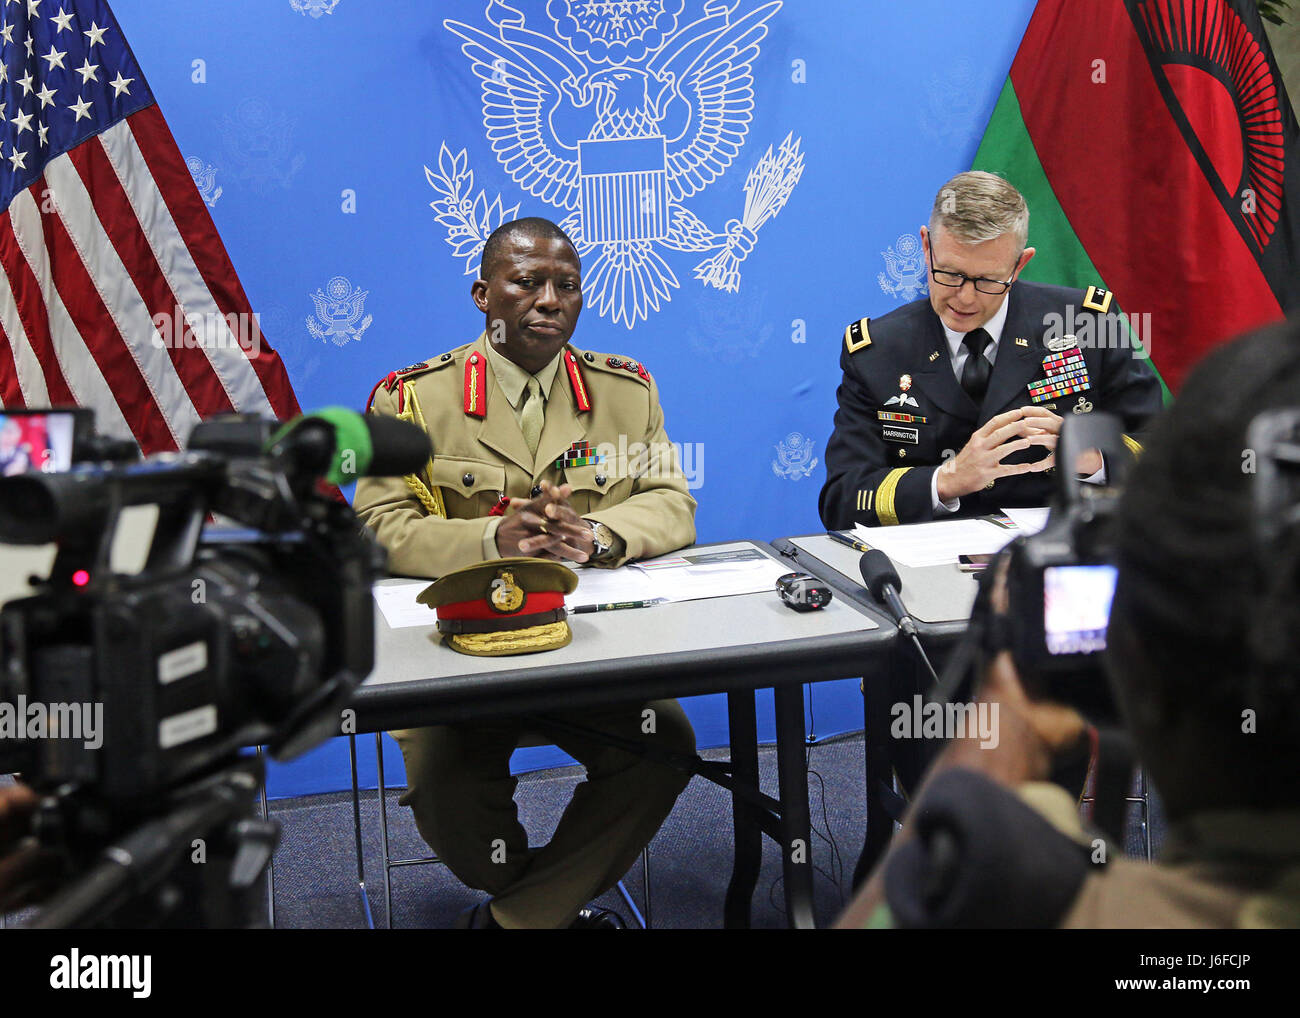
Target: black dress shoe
(477, 917)
(597, 919)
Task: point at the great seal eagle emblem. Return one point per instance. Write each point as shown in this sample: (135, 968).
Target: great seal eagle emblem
(617, 116)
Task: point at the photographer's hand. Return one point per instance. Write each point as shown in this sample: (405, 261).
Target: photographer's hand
(1029, 733)
(27, 872)
(1024, 738)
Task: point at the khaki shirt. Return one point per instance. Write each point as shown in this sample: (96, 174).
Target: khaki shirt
(1218, 870)
(1230, 870)
(639, 492)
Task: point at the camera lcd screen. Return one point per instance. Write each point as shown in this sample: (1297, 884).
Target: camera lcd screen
(36, 441)
(1076, 608)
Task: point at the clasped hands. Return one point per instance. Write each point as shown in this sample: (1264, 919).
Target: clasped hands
(545, 527)
(980, 461)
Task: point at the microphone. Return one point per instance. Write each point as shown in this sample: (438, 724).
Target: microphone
(881, 579)
(342, 445)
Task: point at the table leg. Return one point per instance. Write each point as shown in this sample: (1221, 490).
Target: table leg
(742, 720)
(796, 829)
(879, 767)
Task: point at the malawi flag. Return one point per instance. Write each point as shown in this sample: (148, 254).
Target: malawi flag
(1159, 154)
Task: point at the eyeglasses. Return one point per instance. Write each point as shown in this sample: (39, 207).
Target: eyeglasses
(957, 280)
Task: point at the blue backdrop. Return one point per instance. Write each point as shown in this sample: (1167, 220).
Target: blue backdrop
(341, 146)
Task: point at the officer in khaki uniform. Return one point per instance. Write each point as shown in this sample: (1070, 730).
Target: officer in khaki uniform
(446, 521)
(517, 419)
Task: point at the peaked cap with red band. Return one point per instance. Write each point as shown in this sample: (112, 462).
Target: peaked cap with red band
(503, 606)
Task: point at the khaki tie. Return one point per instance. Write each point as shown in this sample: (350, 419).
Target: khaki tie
(533, 415)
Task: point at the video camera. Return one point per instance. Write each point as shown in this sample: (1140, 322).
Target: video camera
(1060, 581)
(224, 639)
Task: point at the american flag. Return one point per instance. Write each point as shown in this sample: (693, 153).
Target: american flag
(116, 292)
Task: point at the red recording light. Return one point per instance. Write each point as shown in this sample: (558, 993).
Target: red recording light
(80, 578)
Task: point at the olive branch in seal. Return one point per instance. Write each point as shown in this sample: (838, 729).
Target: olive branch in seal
(468, 218)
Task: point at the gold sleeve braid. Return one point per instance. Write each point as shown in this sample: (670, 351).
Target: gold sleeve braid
(1133, 445)
(430, 497)
(885, 511)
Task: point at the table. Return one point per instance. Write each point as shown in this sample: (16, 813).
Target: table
(732, 645)
(939, 599)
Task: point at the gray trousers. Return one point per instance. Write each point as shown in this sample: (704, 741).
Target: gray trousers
(461, 791)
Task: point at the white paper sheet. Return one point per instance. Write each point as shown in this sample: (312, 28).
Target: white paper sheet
(935, 544)
(401, 609)
(690, 575)
(1030, 521)
(603, 586)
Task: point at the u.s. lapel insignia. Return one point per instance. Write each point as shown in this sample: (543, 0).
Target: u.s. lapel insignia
(1021, 342)
(1084, 406)
(934, 356)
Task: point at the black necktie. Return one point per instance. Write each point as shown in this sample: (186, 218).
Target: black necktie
(975, 372)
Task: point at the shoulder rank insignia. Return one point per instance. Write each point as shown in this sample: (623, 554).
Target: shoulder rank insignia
(856, 336)
(390, 380)
(581, 399)
(476, 384)
(1097, 299)
(636, 369)
(616, 363)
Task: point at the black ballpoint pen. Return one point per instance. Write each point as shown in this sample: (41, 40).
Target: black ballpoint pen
(584, 609)
(835, 535)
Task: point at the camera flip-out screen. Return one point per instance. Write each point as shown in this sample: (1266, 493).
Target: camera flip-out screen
(38, 440)
(1076, 607)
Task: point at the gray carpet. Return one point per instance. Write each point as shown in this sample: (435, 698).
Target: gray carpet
(690, 857)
